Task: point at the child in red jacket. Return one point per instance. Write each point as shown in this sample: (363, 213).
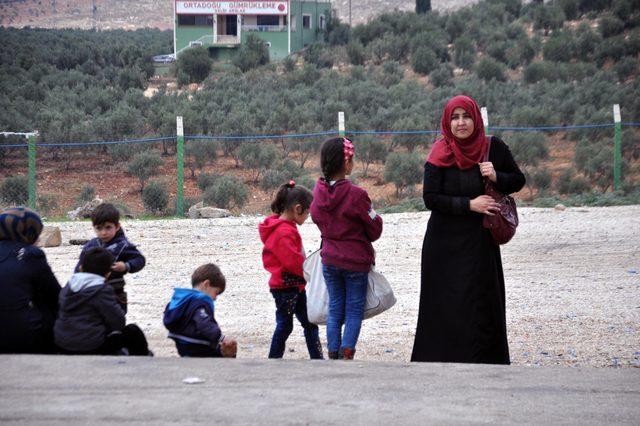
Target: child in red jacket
(283, 256)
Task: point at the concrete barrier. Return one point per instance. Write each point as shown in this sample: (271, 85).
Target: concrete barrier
(98, 390)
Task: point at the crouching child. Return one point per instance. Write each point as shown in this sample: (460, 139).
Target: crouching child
(190, 319)
(90, 319)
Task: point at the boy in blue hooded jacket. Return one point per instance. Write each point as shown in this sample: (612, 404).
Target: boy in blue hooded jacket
(190, 319)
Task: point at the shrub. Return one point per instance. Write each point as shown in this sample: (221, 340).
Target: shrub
(252, 54)
(570, 8)
(289, 64)
(424, 60)
(121, 153)
(87, 193)
(199, 153)
(205, 180)
(537, 71)
(625, 68)
(145, 165)
(585, 42)
(464, 52)
(403, 170)
(318, 55)
(371, 150)
(226, 192)
(46, 204)
(337, 32)
(388, 75)
(282, 173)
(610, 26)
(356, 53)
(548, 17)
(195, 63)
(257, 156)
(14, 190)
(558, 48)
(541, 179)
(155, 198)
(569, 184)
(442, 76)
(488, 69)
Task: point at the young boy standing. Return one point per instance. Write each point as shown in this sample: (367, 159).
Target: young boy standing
(190, 319)
(90, 320)
(109, 235)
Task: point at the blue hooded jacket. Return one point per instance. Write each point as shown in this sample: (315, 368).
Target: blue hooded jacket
(189, 317)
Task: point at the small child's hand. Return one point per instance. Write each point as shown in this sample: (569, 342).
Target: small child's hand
(229, 348)
(119, 267)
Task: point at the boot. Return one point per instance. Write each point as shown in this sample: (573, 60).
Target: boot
(333, 355)
(349, 353)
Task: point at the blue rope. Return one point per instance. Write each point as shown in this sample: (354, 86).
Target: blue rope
(551, 128)
(130, 141)
(311, 135)
(392, 132)
(285, 136)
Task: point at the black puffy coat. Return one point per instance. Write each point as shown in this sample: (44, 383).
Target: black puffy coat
(28, 299)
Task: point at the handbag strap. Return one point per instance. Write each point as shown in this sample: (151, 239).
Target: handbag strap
(486, 155)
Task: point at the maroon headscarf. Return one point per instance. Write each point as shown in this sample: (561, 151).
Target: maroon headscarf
(450, 151)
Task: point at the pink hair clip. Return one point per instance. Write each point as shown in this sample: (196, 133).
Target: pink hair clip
(292, 183)
(349, 149)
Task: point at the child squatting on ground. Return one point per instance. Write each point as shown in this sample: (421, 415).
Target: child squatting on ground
(126, 257)
(190, 319)
(90, 320)
(348, 224)
(283, 256)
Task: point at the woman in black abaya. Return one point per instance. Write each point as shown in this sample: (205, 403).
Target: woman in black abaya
(462, 300)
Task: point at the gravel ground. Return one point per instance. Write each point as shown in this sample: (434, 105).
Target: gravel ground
(572, 283)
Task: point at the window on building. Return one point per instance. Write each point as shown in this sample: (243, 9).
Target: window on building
(271, 20)
(322, 22)
(196, 20)
(306, 21)
(293, 23)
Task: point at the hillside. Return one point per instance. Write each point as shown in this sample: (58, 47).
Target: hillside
(128, 14)
(533, 65)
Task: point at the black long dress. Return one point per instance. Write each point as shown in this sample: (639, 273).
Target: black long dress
(462, 301)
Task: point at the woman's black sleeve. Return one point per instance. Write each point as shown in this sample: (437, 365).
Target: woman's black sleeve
(433, 196)
(509, 177)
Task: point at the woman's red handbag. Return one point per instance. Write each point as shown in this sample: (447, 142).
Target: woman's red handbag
(503, 224)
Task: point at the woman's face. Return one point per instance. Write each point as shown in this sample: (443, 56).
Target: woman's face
(462, 124)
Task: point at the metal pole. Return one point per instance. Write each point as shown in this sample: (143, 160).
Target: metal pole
(341, 128)
(180, 169)
(617, 149)
(32, 170)
(350, 13)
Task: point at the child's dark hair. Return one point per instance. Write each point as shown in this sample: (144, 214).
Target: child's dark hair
(104, 213)
(209, 272)
(332, 157)
(97, 260)
(289, 195)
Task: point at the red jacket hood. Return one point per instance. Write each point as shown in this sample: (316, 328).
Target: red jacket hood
(270, 224)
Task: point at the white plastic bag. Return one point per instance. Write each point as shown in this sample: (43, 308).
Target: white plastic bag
(380, 296)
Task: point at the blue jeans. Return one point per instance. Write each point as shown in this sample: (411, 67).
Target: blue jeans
(289, 303)
(347, 296)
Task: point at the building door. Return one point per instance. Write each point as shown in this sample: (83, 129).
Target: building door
(232, 25)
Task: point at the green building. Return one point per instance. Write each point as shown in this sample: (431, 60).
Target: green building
(286, 26)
